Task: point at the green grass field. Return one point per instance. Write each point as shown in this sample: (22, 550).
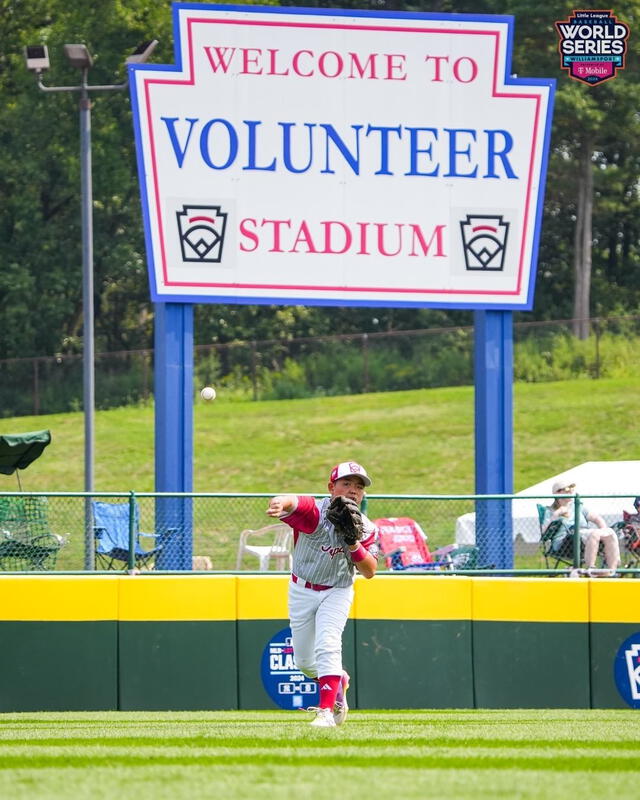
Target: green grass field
(591, 755)
(413, 442)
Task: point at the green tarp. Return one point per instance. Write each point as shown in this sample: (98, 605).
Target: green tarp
(18, 450)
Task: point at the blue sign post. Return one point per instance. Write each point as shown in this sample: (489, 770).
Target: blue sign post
(173, 373)
(494, 435)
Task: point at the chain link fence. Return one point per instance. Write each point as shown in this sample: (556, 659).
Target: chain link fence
(305, 367)
(199, 532)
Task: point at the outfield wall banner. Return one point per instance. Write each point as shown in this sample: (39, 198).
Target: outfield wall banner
(627, 670)
(331, 157)
(284, 683)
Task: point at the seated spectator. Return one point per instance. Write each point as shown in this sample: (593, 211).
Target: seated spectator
(631, 518)
(564, 508)
(629, 533)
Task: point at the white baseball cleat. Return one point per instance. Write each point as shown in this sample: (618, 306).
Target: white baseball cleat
(341, 707)
(323, 718)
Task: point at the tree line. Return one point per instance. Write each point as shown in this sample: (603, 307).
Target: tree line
(589, 258)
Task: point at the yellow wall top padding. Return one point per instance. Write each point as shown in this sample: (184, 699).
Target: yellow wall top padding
(178, 598)
(531, 600)
(428, 597)
(58, 598)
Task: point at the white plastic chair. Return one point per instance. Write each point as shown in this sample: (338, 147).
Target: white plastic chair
(271, 542)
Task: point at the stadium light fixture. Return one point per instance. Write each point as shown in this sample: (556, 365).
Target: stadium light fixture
(142, 52)
(37, 57)
(78, 55)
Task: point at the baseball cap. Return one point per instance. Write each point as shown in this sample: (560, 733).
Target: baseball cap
(347, 468)
(559, 486)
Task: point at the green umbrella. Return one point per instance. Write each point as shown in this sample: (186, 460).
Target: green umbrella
(18, 450)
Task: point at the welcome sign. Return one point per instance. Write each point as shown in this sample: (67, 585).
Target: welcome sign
(298, 156)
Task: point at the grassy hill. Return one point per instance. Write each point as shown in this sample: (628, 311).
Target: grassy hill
(414, 442)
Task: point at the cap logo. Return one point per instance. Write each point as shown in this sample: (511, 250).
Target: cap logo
(346, 468)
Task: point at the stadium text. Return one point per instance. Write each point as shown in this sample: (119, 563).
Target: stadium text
(334, 237)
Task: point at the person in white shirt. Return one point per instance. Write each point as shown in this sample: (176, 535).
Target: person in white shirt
(564, 508)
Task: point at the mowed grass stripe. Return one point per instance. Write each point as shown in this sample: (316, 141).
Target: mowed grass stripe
(507, 761)
(314, 743)
(245, 719)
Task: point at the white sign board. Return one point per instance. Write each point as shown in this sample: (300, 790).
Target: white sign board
(325, 157)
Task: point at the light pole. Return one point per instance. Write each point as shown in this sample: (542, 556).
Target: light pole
(78, 55)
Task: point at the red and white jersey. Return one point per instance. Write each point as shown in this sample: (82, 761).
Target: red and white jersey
(319, 554)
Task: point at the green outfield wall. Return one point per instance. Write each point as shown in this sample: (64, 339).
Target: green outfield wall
(168, 642)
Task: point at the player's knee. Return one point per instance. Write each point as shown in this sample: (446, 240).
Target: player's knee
(306, 669)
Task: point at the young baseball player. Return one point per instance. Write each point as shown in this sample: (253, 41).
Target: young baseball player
(326, 554)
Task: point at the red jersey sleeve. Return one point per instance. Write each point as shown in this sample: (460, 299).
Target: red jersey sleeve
(306, 516)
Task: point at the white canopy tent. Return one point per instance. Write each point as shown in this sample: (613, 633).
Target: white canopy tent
(619, 478)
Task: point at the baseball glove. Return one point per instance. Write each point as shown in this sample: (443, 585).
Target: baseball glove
(343, 513)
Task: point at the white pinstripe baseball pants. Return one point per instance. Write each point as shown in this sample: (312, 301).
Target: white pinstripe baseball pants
(317, 623)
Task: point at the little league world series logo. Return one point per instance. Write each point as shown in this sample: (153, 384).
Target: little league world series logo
(593, 45)
(201, 230)
(627, 670)
(484, 241)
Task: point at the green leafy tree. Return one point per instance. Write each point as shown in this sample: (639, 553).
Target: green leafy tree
(41, 256)
(592, 183)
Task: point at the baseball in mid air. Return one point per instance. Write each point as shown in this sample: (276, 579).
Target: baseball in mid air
(208, 393)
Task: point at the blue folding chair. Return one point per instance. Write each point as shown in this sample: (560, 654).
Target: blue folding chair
(112, 537)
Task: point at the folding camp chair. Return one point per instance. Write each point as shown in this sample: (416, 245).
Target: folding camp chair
(26, 542)
(458, 556)
(403, 543)
(112, 537)
(556, 541)
(404, 548)
(628, 532)
(271, 542)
